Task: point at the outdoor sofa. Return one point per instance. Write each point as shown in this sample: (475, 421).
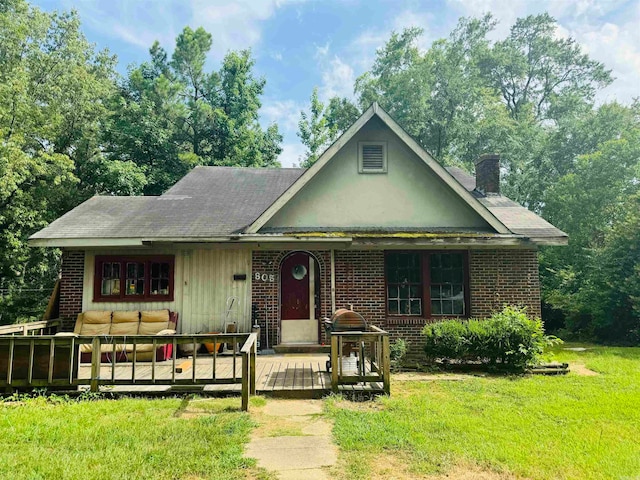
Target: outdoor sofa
(107, 323)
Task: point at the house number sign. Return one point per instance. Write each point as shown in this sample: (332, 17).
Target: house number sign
(264, 277)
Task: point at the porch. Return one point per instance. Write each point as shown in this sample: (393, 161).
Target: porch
(53, 362)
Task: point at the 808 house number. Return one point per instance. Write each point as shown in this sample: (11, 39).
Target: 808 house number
(264, 277)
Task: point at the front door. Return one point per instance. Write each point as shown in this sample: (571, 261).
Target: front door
(299, 284)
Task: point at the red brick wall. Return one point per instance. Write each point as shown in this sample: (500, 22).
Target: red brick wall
(497, 277)
(500, 277)
(71, 284)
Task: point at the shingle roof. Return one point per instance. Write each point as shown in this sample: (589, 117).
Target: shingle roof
(220, 201)
(207, 202)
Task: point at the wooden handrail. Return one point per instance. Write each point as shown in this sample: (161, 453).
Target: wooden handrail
(65, 349)
(25, 328)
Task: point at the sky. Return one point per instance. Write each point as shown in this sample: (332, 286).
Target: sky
(299, 45)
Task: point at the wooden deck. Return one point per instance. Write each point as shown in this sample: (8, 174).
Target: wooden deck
(289, 375)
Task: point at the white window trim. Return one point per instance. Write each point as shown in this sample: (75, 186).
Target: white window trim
(384, 157)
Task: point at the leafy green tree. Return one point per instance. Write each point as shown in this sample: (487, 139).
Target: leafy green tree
(53, 91)
(539, 74)
(318, 128)
(171, 114)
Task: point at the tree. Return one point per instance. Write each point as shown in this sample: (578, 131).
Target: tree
(322, 125)
(53, 87)
(539, 74)
(171, 114)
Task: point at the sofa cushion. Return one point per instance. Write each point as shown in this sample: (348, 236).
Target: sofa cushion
(128, 328)
(96, 317)
(153, 316)
(152, 328)
(126, 316)
(95, 328)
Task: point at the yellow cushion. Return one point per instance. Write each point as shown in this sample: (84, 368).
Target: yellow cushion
(152, 328)
(155, 316)
(96, 316)
(126, 316)
(129, 328)
(95, 328)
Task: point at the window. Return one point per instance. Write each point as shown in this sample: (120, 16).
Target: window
(427, 284)
(133, 279)
(372, 157)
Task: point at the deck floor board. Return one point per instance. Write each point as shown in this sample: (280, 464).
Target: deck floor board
(274, 374)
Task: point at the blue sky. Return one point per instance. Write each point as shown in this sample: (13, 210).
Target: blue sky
(299, 45)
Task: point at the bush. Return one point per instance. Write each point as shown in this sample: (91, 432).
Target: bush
(398, 351)
(508, 338)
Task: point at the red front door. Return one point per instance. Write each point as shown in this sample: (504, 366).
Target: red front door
(294, 287)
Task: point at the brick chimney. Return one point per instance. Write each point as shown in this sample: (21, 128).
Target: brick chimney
(488, 173)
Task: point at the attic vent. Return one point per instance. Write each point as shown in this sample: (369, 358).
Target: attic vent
(372, 157)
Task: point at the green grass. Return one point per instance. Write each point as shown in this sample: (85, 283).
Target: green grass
(120, 439)
(539, 427)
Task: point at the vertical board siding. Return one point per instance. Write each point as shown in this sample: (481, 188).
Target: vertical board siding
(203, 281)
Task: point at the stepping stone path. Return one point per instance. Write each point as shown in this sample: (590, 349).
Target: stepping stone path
(308, 453)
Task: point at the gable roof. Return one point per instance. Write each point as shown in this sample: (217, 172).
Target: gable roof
(329, 153)
(229, 203)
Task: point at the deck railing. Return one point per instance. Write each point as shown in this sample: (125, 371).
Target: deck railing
(371, 363)
(58, 361)
(31, 328)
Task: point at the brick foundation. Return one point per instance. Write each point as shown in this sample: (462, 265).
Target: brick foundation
(71, 284)
(497, 277)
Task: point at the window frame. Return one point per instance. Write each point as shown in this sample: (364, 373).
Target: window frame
(123, 260)
(361, 168)
(425, 267)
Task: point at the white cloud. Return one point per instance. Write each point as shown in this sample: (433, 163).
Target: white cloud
(292, 154)
(286, 113)
(337, 79)
(234, 25)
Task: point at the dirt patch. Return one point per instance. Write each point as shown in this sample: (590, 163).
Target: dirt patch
(429, 377)
(580, 369)
(395, 466)
(359, 406)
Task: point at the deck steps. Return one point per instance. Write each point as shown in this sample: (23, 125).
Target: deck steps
(308, 348)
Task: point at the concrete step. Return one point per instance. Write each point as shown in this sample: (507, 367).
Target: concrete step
(301, 348)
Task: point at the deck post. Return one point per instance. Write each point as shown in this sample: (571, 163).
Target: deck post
(95, 363)
(245, 381)
(386, 365)
(334, 363)
(252, 355)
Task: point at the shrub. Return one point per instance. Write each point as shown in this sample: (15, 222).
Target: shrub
(397, 351)
(508, 338)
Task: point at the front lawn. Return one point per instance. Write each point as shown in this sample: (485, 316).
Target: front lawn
(538, 427)
(127, 438)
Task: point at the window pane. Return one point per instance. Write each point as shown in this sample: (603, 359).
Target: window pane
(458, 307)
(155, 286)
(416, 307)
(393, 307)
(404, 291)
(414, 291)
(447, 308)
(135, 279)
(164, 270)
(414, 275)
(392, 291)
(404, 307)
(435, 291)
(446, 291)
(436, 309)
(155, 270)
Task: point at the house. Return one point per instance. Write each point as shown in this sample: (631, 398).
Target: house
(376, 224)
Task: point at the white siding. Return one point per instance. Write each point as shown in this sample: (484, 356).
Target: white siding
(203, 281)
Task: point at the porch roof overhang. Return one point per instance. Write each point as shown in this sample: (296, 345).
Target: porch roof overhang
(333, 239)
